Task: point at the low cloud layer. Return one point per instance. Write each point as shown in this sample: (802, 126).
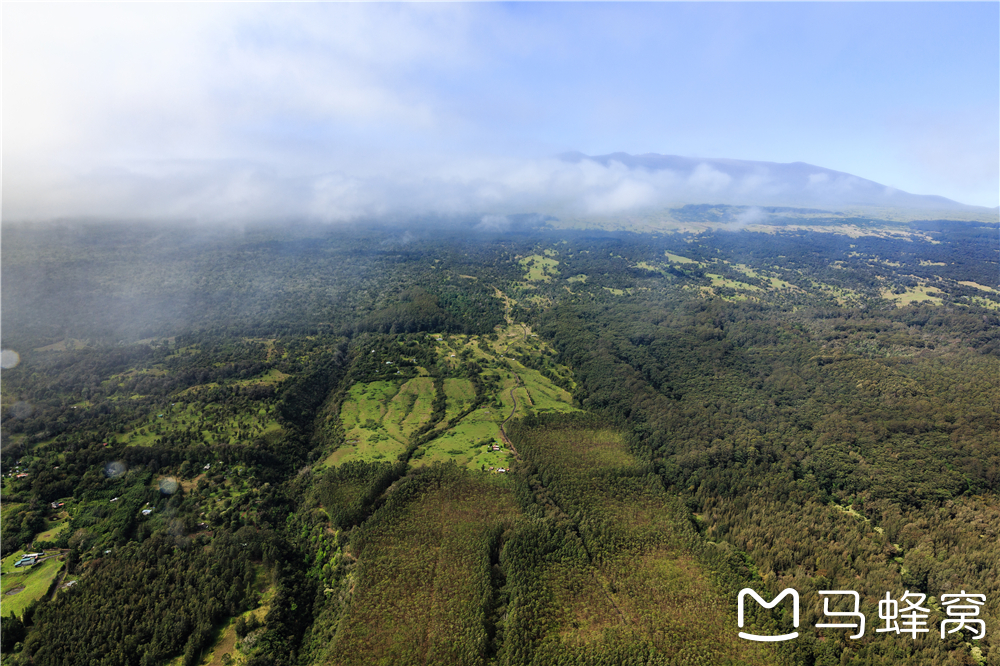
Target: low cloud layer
(244, 191)
(340, 110)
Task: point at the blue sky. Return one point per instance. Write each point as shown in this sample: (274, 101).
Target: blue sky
(336, 110)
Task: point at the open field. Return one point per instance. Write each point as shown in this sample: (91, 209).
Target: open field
(540, 268)
(468, 443)
(914, 295)
(53, 529)
(678, 259)
(459, 393)
(379, 417)
(20, 586)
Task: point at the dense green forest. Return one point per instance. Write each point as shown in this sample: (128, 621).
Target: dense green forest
(428, 444)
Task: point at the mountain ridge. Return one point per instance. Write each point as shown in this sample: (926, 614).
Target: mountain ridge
(775, 183)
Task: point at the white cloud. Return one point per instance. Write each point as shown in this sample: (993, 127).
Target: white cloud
(705, 177)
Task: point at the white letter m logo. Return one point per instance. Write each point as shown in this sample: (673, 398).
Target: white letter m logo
(784, 593)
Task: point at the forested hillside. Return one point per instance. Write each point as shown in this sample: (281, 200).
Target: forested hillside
(429, 445)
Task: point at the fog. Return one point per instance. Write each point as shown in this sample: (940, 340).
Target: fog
(341, 111)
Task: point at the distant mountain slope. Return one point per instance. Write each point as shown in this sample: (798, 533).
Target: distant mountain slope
(772, 183)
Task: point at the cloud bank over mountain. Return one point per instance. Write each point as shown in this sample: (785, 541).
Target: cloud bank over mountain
(339, 110)
(573, 184)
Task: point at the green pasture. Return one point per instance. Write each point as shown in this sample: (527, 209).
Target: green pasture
(410, 408)
(459, 394)
(649, 267)
(543, 395)
(20, 586)
(468, 444)
(914, 295)
(678, 259)
(580, 277)
(776, 283)
(539, 268)
(53, 529)
(719, 281)
(379, 417)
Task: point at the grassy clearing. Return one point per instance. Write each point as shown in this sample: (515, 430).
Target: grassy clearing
(379, 417)
(19, 587)
(913, 295)
(544, 396)
(678, 259)
(468, 444)
(52, 530)
(378, 421)
(459, 395)
(581, 277)
(719, 281)
(271, 377)
(985, 303)
(539, 268)
(410, 408)
(776, 283)
(982, 287)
